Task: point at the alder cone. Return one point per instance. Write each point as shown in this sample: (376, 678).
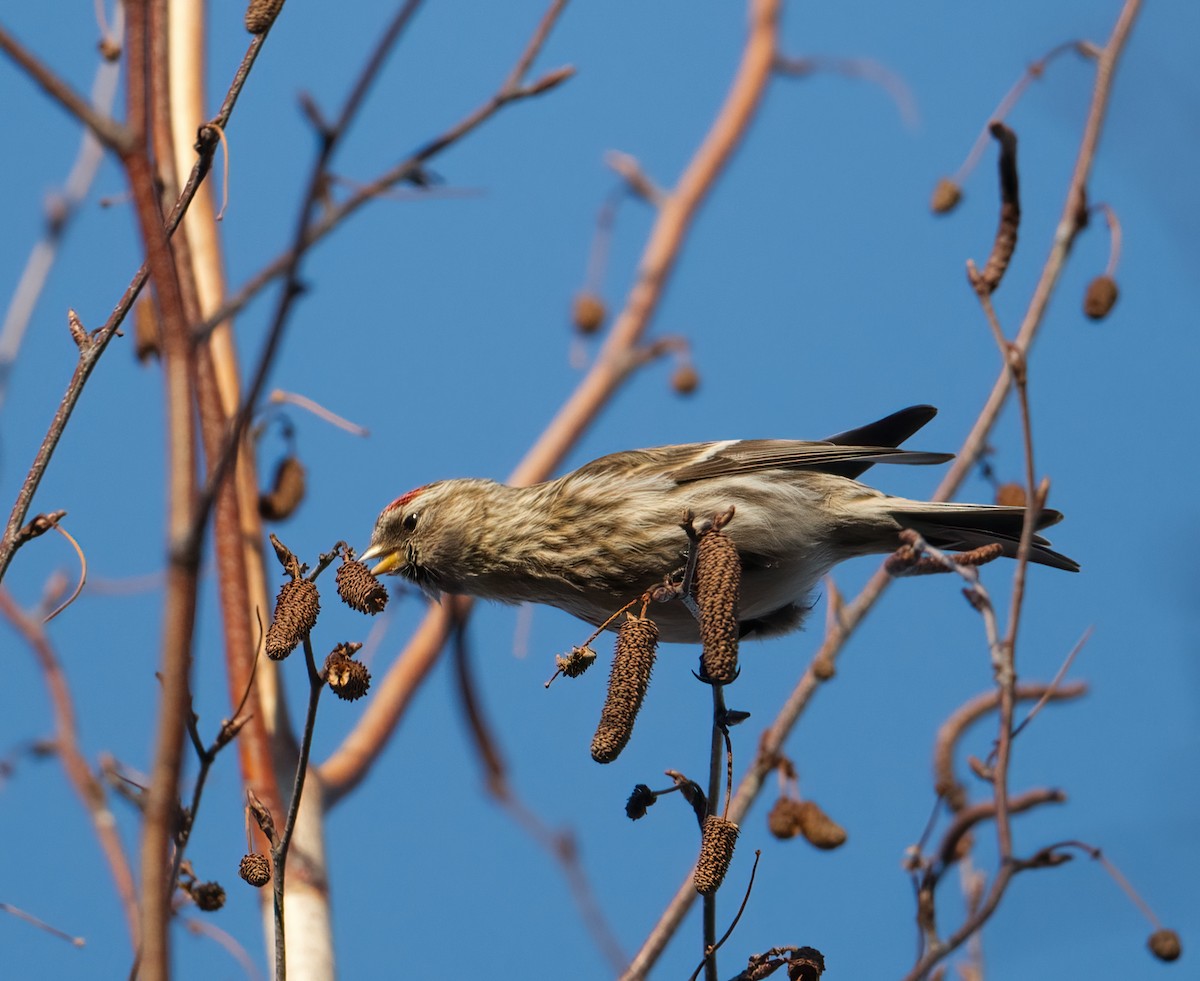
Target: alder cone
(718, 582)
(716, 852)
(637, 642)
(1100, 297)
(360, 590)
(296, 609)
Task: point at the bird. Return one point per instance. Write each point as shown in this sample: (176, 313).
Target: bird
(597, 538)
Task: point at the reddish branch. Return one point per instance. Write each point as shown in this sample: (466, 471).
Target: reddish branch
(946, 784)
(145, 43)
(66, 745)
(108, 131)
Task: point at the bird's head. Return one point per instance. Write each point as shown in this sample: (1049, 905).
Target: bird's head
(421, 536)
(398, 537)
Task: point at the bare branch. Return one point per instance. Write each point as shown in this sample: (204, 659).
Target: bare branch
(107, 130)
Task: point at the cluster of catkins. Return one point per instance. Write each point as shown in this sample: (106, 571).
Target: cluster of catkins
(717, 580)
(297, 605)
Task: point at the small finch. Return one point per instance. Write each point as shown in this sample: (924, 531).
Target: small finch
(595, 539)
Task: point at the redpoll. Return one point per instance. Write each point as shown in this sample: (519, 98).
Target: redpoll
(597, 538)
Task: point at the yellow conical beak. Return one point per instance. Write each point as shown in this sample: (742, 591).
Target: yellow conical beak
(390, 562)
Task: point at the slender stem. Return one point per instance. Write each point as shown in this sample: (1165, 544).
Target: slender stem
(60, 210)
(715, 760)
(279, 852)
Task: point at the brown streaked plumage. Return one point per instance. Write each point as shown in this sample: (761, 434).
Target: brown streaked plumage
(596, 538)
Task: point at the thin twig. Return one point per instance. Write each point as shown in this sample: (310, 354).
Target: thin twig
(83, 570)
(108, 131)
(1118, 877)
(206, 757)
(733, 925)
(1054, 690)
(865, 68)
(225, 939)
(279, 396)
(29, 918)
(279, 850)
(1032, 73)
(951, 731)
(715, 759)
(61, 210)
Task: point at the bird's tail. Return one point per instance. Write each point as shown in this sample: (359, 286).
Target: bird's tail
(960, 527)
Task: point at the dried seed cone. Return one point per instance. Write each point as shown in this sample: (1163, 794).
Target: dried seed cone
(575, 663)
(783, 821)
(359, 589)
(110, 50)
(286, 492)
(806, 964)
(818, 828)
(261, 14)
(945, 198)
(1011, 495)
(588, 313)
(1100, 298)
(262, 816)
(716, 852)
(685, 380)
(296, 609)
(641, 799)
(718, 581)
(348, 679)
(1164, 944)
(255, 868)
(637, 643)
(145, 326)
(209, 896)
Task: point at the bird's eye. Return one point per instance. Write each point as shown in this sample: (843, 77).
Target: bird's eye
(410, 521)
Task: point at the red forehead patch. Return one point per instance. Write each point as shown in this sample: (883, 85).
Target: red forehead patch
(404, 499)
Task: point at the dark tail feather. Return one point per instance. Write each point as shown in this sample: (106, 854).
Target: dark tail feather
(963, 527)
(890, 431)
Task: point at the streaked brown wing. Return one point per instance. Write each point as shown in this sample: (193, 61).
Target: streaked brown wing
(660, 459)
(748, 456)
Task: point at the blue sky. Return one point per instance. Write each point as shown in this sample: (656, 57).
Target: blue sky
(817, 293)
